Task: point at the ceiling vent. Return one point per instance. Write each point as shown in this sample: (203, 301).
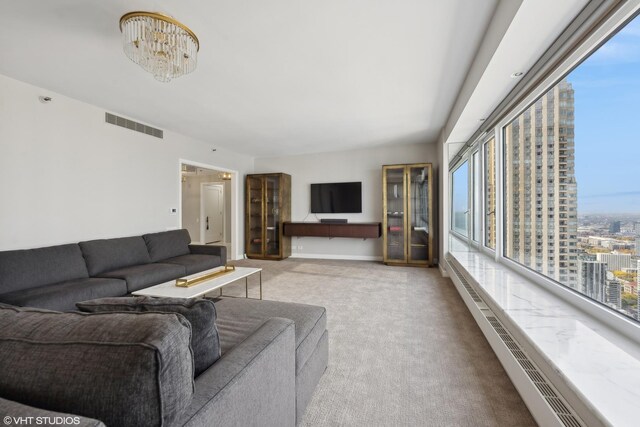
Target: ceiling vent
(135, 126)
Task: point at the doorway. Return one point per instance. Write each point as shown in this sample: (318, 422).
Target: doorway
(207, 204)
(212, 219)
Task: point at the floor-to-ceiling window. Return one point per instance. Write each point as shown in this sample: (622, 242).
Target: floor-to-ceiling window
(460, 199)
(572, 205)
(569, 165)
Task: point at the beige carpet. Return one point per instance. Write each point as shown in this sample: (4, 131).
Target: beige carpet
(403, 348)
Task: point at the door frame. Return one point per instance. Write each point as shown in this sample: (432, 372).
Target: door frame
(202, 213)
(235, 251)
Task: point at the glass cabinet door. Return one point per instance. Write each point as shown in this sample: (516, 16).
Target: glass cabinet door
(254, 216)
(419, 206)
(394, 207)
(272, 216)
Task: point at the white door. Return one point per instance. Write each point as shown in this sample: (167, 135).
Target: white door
(212, 213)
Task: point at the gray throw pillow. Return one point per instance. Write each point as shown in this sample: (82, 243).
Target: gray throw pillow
(124, 369)
(201, 313)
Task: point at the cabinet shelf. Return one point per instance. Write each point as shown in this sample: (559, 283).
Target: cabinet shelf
(411, 245)
(268, 198)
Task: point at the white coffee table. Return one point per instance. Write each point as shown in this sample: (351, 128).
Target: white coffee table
(170, 290)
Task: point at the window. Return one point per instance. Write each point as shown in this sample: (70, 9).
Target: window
(490, 193)
(477, 198)
(575, 216)
(460, 207)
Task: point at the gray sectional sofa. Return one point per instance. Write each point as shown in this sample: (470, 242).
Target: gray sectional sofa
(272, 353)
(57, 277)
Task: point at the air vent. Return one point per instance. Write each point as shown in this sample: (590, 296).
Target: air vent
(474, 295)
(559, 407)
(135, 126)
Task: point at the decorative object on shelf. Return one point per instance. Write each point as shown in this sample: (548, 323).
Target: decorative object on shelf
(187, 283)
(407, 199)
(159, 44)
(268, 206)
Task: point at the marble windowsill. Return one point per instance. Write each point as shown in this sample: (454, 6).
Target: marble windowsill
(599, 364)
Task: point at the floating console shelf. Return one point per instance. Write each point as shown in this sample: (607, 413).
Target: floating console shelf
(362, 230)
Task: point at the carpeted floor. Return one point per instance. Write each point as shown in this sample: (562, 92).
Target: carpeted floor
(403, 348)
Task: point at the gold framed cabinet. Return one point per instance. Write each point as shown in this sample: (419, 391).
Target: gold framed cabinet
(407, 225)
(268, 206)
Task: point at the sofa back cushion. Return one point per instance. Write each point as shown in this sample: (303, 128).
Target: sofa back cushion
(167, 244)
(125, 369)
(201, 313)
(32, 268)
(111, 254)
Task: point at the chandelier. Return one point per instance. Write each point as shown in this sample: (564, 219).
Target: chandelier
(159, 44)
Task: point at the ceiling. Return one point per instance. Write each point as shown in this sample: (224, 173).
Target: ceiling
(274, 77)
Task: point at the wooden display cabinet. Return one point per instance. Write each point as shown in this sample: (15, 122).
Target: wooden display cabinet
(407, 226)
(268, 206)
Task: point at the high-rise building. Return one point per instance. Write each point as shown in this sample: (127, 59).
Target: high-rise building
(616, 261)
(638, 245)
(613, 291)
(614, 227)
(638, 290)
(592, 276)
(541, 216)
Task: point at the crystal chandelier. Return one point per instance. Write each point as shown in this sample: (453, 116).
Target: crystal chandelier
(159, 44)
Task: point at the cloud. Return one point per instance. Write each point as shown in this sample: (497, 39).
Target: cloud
(618, 194)
(615, 52)
(631, 30)
(622, 48)
(597, 83)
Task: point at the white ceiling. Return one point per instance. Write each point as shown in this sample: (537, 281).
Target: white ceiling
(273, 77)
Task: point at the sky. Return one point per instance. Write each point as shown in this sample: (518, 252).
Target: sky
(607, 125)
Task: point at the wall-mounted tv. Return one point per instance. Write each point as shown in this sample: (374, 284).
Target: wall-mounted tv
(336, 197)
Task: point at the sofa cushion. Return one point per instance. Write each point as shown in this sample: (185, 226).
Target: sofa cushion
(125, 369)
(195, 263)
(167, 244)
(31, 268)
(111, 254)
(64, 296)
(239, 317)
(201, 313)
(145, 275)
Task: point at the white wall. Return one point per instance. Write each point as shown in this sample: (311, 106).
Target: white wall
(68, 176)
(363, 165)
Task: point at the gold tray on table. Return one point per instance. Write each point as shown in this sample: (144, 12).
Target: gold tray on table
(187, 283)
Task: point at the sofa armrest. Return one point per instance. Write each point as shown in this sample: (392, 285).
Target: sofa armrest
(221, 251)
(20, 413)
(252, 384)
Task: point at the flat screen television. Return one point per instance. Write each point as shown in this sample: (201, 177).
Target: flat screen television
(336, 197)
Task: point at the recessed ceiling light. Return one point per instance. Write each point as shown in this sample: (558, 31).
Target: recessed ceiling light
(516, 74)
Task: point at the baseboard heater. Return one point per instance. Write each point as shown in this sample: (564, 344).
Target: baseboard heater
(546, 404)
